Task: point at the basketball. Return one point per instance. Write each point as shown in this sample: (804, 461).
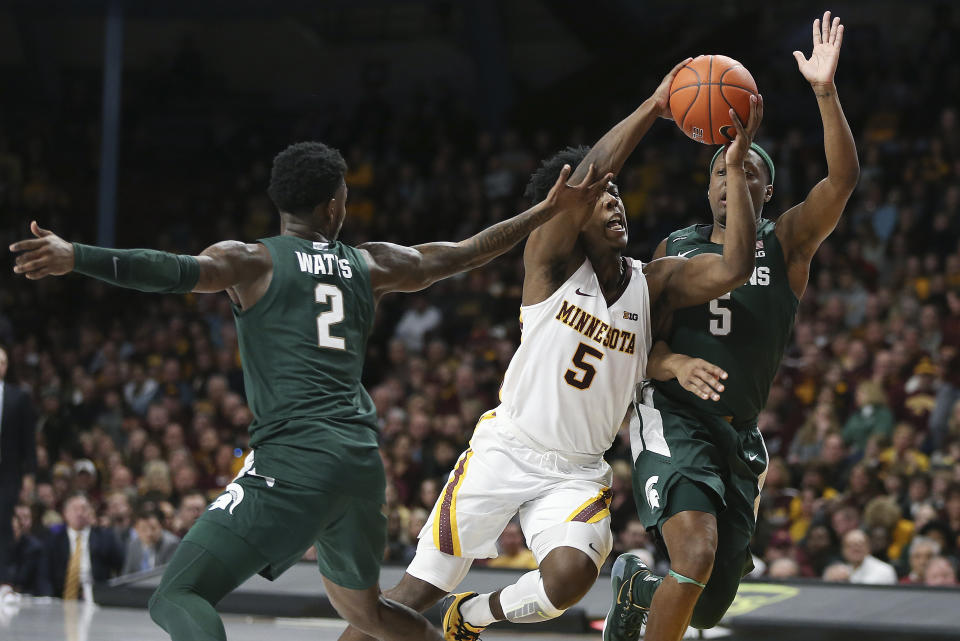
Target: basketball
(704, 91)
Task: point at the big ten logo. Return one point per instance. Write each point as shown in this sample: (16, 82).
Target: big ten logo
(631, 316)
(696, 133)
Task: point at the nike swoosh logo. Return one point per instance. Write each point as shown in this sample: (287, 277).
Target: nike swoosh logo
(116, 260)
(590, 545)
(582, 294)
(753, 457)
(684, 254)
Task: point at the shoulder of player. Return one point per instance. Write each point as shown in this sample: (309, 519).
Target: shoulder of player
(239, 251)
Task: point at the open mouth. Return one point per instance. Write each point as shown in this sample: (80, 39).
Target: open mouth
(723, 198)
(616, 224)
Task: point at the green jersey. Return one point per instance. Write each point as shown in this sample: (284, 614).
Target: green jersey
(744, 332)
(302, 348)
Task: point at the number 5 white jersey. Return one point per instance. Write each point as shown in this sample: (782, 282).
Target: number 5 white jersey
(570, 382)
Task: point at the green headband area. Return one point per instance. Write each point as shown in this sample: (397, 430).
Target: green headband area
(760, 152)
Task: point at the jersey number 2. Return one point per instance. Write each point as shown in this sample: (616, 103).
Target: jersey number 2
(720, 326)
(329, 293)
(587, 370)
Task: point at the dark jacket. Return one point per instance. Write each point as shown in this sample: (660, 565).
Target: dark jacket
(106, 557)
(18, 447)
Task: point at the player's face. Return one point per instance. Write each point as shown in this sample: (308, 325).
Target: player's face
(757, 184)
(607, 228)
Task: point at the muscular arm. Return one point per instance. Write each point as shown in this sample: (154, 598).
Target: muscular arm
(553, 249)
(394, 268)
(802, 228)
(239, 268)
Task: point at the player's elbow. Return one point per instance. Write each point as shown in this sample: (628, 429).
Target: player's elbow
(845, 180)
(737, 272)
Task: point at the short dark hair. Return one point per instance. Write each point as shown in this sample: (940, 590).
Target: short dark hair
(546, 175)
(304, 175)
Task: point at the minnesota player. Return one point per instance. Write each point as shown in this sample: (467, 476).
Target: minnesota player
(304, 306)
(587, 317)
(697, 485)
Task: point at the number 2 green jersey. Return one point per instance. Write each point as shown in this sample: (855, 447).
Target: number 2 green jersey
(302, 346)
(745, 332)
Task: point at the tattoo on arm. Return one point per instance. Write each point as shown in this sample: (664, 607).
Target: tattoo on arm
(505, 234)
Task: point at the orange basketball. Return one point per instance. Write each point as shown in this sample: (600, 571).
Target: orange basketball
(702, 94)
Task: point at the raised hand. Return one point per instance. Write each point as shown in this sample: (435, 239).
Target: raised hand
(565, 197)
(737, 150)
(661, 96)
(822, 64)
(45, 255)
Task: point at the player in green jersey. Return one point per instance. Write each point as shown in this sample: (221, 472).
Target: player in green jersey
(699, 460)
(304, 307)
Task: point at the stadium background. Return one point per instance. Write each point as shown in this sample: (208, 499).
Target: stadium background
(442, 110)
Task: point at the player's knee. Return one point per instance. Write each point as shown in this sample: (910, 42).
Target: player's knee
(415, 593)
(567, 581)
(696, 557)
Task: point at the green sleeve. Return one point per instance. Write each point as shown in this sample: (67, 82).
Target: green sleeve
(146, 270)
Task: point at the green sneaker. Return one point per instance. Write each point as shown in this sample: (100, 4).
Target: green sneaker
(626, 618)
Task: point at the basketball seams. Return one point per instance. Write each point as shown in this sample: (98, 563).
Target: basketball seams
(690, 106)
(695, 96)
(700, 112)
(709, 107)
(722, 84)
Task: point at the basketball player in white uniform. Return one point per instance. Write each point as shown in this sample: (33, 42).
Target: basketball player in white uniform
(588, 315)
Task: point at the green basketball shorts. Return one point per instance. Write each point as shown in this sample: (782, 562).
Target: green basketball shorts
(282, 520)
(674, 444)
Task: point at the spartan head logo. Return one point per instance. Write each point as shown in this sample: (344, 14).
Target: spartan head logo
(653, 497)
(229, 500)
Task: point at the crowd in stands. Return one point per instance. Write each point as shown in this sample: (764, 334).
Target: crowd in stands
(141, 415)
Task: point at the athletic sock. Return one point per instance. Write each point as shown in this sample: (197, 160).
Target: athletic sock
(476, 611)
(644, 585)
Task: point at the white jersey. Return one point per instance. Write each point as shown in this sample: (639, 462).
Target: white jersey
(573, 377)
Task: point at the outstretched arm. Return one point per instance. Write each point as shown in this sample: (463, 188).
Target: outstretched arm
(695, 375)
(802, 228)
(394, 268)
(681, 282)
(225, 265)
(552, 249)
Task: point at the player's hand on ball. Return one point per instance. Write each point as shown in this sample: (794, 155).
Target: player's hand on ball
(661, 97)
(701, 378)
(45, 255)
(822, 64)
(737, 150)
(564, 197)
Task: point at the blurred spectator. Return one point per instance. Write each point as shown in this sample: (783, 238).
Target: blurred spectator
(17, 452)
(837, 573)
(902, 456)
(864, 567)
(940, 572)
(153, 546)
(922, 550)
(80, 553)
(872, 418)
(25, 560)
(783, 568)
(514, 554)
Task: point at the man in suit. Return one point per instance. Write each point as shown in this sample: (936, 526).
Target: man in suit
(153, 546)
(81, 554)
(25, 569)
(18, 454)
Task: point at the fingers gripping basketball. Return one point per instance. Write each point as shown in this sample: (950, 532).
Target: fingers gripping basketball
(703, 92)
